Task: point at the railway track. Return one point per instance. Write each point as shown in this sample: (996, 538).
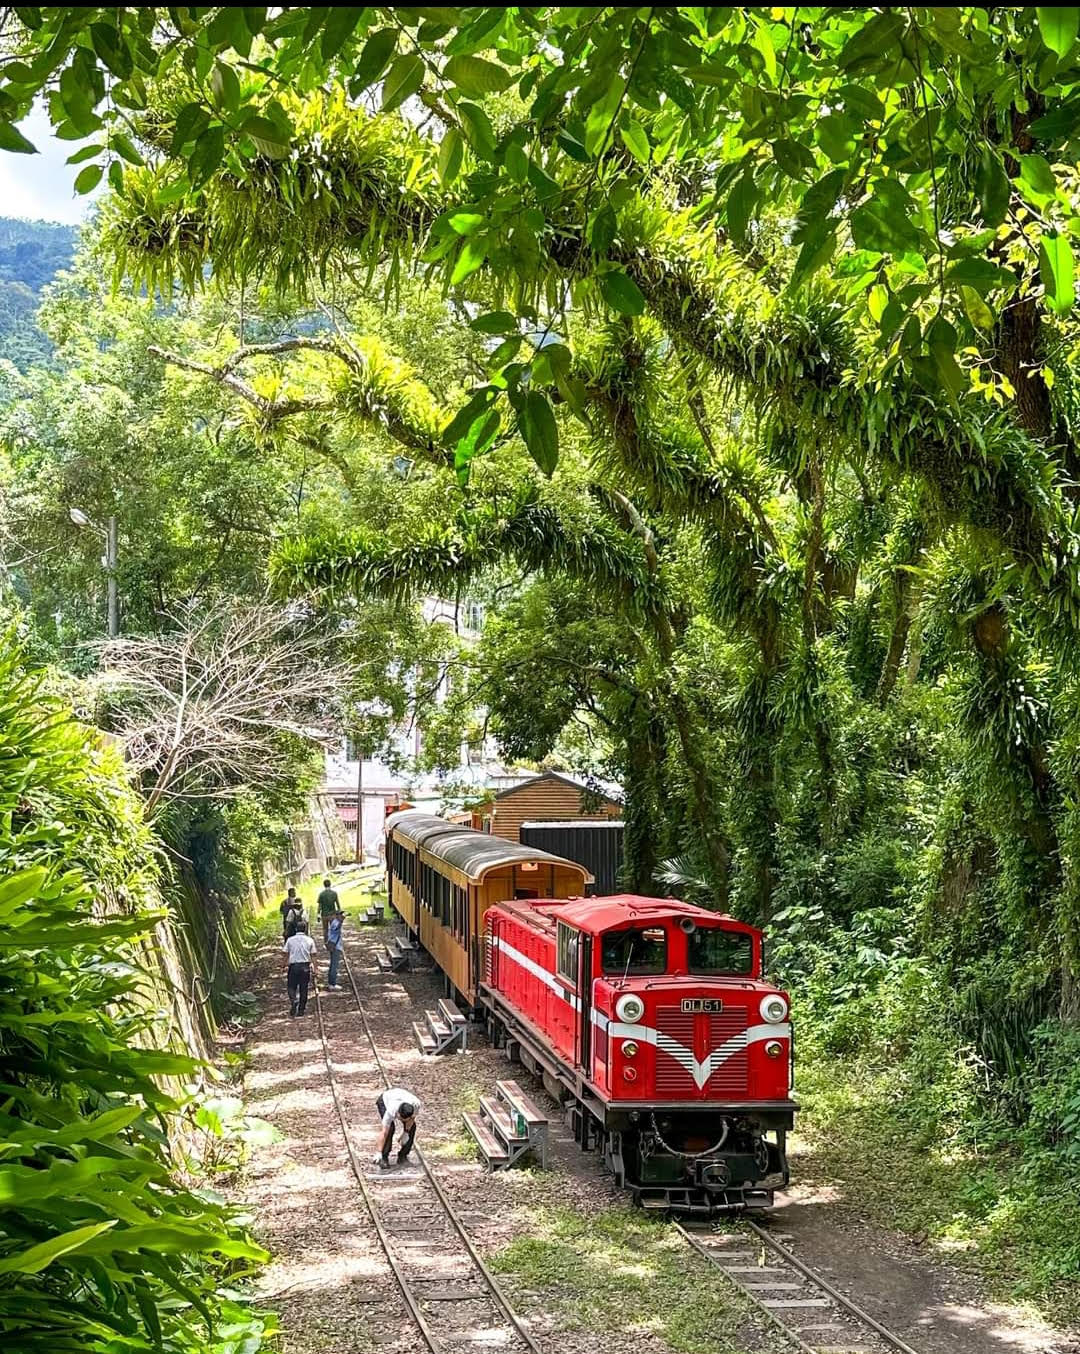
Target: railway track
(450, 1295)
(814, 1315)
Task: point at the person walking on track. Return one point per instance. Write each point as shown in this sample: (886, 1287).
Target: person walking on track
(299, 952)
(396, 1107)
(290, 904)
(336, 945)
(328, 905)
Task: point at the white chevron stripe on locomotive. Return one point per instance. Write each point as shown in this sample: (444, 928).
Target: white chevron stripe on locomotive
(699, 1071)
(645, 1034)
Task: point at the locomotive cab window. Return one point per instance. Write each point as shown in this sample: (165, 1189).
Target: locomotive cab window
(567, 964)
(715, 950)
(639, 950)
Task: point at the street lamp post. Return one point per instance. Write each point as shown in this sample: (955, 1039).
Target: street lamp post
(108, 532)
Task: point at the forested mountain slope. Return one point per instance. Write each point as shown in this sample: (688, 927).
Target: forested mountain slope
(31, 254)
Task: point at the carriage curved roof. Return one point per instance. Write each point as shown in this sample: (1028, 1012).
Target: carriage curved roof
(476, 854)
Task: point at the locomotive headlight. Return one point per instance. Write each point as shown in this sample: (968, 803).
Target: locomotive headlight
(631, 1008)
(774, 1009)
(773, 1048)
(629, 1048)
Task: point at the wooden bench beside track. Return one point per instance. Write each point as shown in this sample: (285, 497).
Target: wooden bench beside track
(446, 1029)
(508, 1127)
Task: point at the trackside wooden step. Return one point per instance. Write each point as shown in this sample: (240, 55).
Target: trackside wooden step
(519, 1103)
(500, 1120)
(424, 1038)
(439, 1028)
(491, 1149)
(450, 1013)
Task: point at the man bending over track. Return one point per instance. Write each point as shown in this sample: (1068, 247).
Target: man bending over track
(396, 1106)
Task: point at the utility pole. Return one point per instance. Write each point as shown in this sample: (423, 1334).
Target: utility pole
(359, 802)
(110, 574)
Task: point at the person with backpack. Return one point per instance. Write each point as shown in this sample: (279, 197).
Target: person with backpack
(290, 904)
(299, 952)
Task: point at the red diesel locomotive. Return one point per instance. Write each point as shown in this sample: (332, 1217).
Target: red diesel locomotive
(649, 1018)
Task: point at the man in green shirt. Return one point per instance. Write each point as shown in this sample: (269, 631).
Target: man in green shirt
(328, 905)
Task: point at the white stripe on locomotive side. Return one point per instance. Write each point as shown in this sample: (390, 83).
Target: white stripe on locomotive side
(645, 1034)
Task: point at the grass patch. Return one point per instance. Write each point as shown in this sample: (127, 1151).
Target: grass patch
(1015, 1220)
(623, 1270)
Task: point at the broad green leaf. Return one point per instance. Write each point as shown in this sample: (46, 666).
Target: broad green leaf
(269, 138)
(602, 229)
(123, 144)
(516, 162)
(478, 129)
(465, 222)
(741, 201)
(36, 1258)
(476, 441)
(228, 29)
(1060, 123)
(372, 60)
(338, 29)
(636, 141)
(884, 223)
(450, 155)
(476, 77)
(191, 121)
(19, 888)
(1057, 26)
(89, 178)
(873, 44)
(225, 87)
(469, 259)
(598, 124)
(540, 432)
(205, 158)
(403, 79)
(479, 402)
(111, 47)
(1056, 270)
(992, 187)
(622, 293)
(981, 274)
(976, 309)
(12, 139)
(495, 322)
(1036, 176)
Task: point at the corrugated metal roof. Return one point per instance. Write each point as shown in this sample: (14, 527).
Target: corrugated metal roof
(475, 853)
(581, 823)
(606, 789)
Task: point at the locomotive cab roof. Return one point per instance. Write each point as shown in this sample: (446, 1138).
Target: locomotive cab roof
(596, 915)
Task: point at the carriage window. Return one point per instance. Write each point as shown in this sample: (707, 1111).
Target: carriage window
(642, 949)
(567, 965)
(719, 951)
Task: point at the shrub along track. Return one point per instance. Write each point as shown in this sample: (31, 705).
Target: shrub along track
(451, 1295)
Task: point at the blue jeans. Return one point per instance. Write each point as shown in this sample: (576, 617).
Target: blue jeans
(335, 960)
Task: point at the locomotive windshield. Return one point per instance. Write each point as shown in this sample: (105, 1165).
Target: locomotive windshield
(642, 949)
(718, 951)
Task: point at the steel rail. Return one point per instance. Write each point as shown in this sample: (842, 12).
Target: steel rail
(430, 1339)
(493, 1286)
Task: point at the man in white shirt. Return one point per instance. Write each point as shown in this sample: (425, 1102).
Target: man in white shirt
(396, 1106)
(299, 956)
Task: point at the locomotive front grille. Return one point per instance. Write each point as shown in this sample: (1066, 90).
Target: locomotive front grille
(692, 1039)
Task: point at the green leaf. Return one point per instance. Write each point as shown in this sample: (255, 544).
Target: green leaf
(478, 129)
(741, 201)
(1060, 123)
(36, 1258)
(125, 147)
(1057, 26)
(111, 48)
(12, 139)
(269, 138)
(191, 121)
(536, 422)
(476, 77)
(450, 155)
(872, 45)
(636, 141)
(85, 153)
(89, 178)
(18, 889)
(403, 79)
(482, 432)
(622, 293)
(976, 309)
(479, 402)
(495, 322)
(1036, 176)
(372, 60)
(884, 224)
(207, 155)
(602, 230)
(598, 126)
(1057, 272)
(472, 256)
(225, 87)
(465, 222)
(338, 29)
(516, 162)
(795, 159)
(992, 187)
(981, 274)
